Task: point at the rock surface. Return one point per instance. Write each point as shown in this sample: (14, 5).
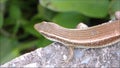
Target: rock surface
(55, 54)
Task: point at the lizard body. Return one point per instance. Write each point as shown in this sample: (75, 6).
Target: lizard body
(91, 37)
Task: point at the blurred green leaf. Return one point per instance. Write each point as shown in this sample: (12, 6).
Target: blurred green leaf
(1, 19)
(15, 12)
(42, 42)
(9, 21)
(30, 28)
(26, 45)
(92, 8)
(69, 19)
(2, 1)
(45, 13)
(114, 6)
(2, 8)
(9, 56)
(16, 27)
(7, 45)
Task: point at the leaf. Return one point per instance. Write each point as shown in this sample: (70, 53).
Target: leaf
(42, 42)
(114, 6)
(9, 56)
(2, 9)
(2, 1)
(45, 13)
(29, 27)
(1, 19)
(92, 8)
(7, 47)
(15, 11)
(69, 19)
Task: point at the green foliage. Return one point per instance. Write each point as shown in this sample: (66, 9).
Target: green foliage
(2, 7)
(7, 48)
(92, 8)
(17, 18)
(114, 6)
(66, 18)
(1, 19)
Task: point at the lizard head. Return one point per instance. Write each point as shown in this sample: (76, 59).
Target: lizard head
(46, 27)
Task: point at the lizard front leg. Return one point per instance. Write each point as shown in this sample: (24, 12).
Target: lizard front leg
(71, 54)
(71, 47)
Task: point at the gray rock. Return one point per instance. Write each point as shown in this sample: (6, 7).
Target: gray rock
(55, 55)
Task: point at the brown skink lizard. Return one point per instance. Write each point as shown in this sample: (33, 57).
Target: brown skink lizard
(92, 37)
